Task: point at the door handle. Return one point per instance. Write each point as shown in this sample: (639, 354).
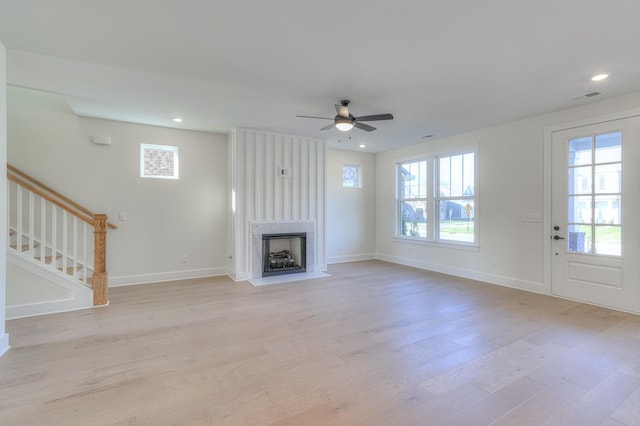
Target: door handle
(557, 237)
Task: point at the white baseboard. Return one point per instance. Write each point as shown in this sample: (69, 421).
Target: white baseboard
(246, 276)
(44, 308)
(4, 344)
(166, 276)
(350, 258)
(239, 276)
(516, 283)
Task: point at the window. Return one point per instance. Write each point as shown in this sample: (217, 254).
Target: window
(412, 199)
(455, 198)
(158, 161)
(351, 176)
(595, 215)
(436, 198)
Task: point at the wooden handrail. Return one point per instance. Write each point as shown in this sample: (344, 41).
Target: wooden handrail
(54, 193)
(51, 199)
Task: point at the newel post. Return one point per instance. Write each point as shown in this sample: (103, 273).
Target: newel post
(99, 281)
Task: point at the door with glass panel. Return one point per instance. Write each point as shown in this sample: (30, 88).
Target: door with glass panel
(595, 236)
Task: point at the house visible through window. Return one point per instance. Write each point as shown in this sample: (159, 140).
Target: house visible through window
(412, 199)
(351, 176)
(455, 199)
(438, 205)
(158, 161)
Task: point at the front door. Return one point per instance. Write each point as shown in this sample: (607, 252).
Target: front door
(595, 240)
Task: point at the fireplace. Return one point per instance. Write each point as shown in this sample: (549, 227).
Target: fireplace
(284, 253)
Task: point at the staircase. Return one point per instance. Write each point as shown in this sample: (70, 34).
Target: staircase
(56, 257)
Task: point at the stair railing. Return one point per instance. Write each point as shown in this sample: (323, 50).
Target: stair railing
(53, 230)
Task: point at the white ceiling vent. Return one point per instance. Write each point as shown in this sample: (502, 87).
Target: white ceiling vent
(586, 95)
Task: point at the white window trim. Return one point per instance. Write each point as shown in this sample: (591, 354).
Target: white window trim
(359, 171)
(398, 203)
(168, 148)
(432, 220)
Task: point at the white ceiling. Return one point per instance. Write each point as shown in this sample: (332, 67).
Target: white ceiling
(441, 67)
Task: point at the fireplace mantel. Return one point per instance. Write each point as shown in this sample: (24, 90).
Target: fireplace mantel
(258, 228)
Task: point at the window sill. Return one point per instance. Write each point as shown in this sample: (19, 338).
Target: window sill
(440, 244)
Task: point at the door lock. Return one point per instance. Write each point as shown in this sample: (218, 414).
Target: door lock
(557, 237)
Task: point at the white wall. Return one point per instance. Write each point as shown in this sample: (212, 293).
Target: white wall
(4, 338)
(262, 195)
(166, 219)
(511, 180)
(351, 212)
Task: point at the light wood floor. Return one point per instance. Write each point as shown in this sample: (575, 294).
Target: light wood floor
(374, 344)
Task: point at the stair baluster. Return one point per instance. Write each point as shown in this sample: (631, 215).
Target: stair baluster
(49, 239)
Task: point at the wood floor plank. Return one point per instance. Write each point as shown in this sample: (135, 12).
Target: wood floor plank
(373, 344)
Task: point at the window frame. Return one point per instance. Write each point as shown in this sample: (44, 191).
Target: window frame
(433, 199)
(437, 198)
(358, 168)
(167, 148)
(400, 199)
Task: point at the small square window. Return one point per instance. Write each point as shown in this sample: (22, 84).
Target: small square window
(158, 161)
(351, 176)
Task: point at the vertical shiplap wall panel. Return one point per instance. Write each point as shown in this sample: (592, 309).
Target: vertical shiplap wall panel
(268, 177)
(250, 161)
(295, 180)
(286, 189)
(321, 185)
(277, 181)
(304, 181)
(258, 147)
(263, 195)
(312, 213)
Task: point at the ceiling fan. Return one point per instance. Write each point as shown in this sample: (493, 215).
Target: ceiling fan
(345, 121)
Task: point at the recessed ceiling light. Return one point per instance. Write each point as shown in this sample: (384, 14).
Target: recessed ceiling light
(362, 145)
(599, 77)
(177, 119)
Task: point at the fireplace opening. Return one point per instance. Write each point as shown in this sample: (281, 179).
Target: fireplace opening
(284, 253)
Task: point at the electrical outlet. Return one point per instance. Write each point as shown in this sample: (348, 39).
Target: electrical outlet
(184, 258)
(122, 216)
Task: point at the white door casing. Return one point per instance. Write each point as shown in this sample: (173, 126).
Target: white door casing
(595, 213)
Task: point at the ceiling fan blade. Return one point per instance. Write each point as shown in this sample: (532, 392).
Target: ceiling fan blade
(330, 126)
(364, 127)
(342, 111)
(375, 117)
(309, 116)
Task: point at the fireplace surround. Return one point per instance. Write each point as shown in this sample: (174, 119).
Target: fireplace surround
(262, 228)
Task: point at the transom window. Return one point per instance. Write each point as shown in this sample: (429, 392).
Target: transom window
(436, 198)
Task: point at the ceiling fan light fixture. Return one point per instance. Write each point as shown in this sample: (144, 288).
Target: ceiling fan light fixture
(344, 124)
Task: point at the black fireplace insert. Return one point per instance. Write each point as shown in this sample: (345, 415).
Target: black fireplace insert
(284, 253)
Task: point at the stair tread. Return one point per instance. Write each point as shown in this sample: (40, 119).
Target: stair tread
(47, 259)
(24, 247)
(70, 269)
